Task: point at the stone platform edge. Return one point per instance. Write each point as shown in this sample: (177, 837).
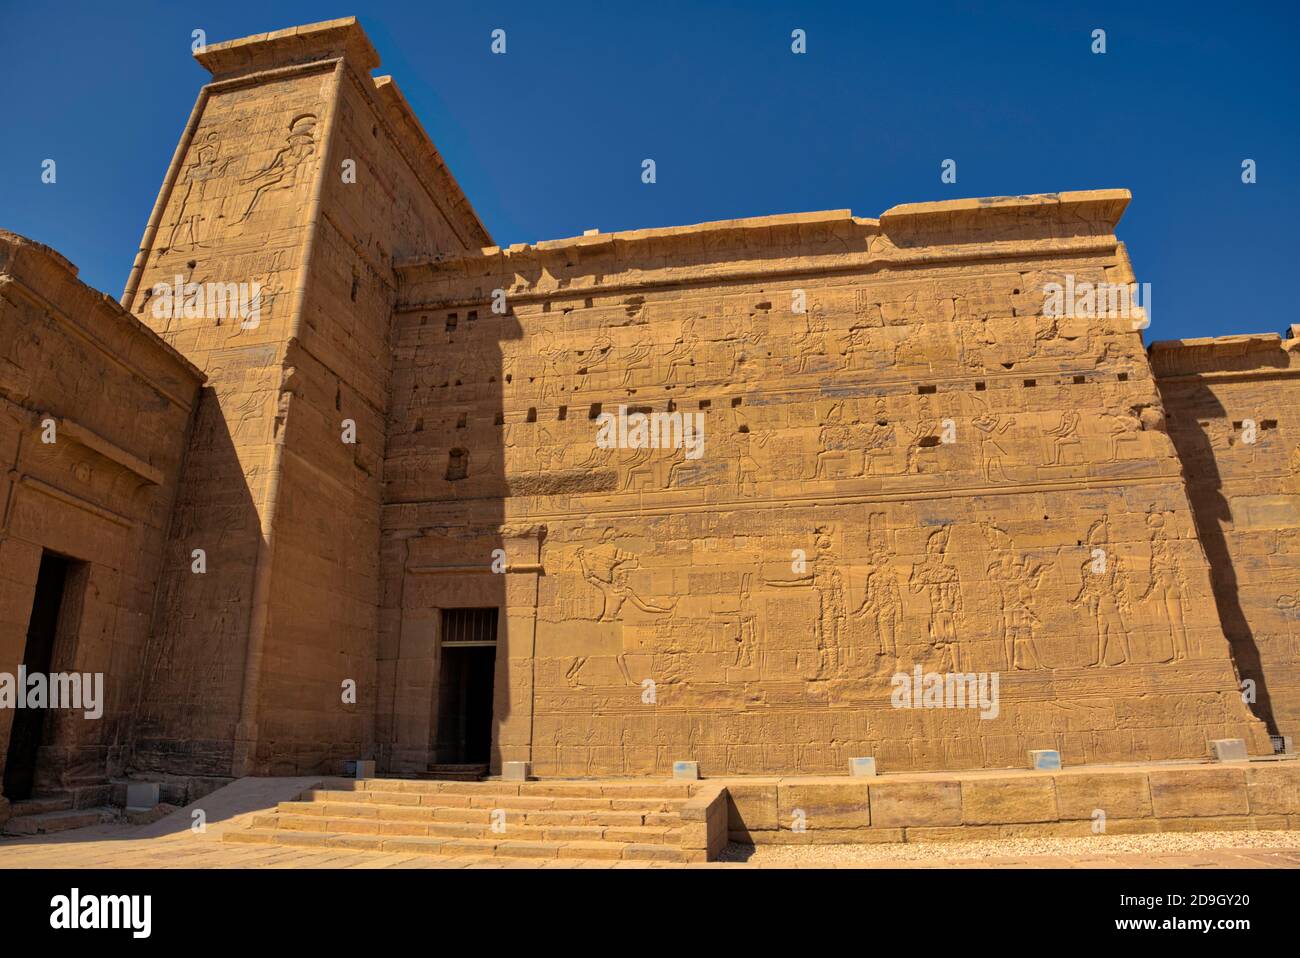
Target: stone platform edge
(990, 805)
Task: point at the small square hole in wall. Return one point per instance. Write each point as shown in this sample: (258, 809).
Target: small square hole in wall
(472, 315)
(563, 414)
(532, 414)
(451, 321)
(672, 406)
(1079, 380)
(500, 419)
(546, 306)
(1031, 383)
(980, 387)
(587, 302)
(594, 411)
(461, 421)
(1122, 377)
(926, 390)
(457, 464)
(1268, 424)
(737, 401)
(705, 403)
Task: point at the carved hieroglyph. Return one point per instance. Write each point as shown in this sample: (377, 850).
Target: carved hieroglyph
(915, 469)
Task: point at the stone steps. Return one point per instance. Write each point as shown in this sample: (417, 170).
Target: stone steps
(49, 822)
(509, 827)
(39, 806)
(503, 847)
(620, 820)
(408, 807)
(493, 801)
(455, 773)
(547, 789)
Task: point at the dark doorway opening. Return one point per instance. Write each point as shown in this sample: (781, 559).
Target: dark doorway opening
(38, 656)
(465, 685)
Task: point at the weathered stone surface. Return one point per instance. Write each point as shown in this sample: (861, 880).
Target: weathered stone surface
(913, 804)
(751, 807)
(94, 413)
(1273, 789)
(823, 804)
(1188, 793)
(996, 800)
(1118, 795)
(1229, 403)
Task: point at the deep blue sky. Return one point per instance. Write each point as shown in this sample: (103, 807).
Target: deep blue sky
(548, 140)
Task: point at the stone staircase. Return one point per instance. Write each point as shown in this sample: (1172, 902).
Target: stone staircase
(455, 773)
(625, 821)
(50, 814)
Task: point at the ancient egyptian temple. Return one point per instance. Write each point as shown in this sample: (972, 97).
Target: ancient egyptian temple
(339, 480)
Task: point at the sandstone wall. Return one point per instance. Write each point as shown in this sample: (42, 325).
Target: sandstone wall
(302, 173)
(826, 439)
(234, 209)
(120, 402)
(1229, 403)
(326, 595)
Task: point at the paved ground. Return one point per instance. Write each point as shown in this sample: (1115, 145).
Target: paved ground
(117, 846)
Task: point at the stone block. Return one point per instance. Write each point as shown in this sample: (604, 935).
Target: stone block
(1118, 795)
(686, 771)
(862, 767)
(1273, 788)
(823, 804)
(1199, 792)
(142, 795)
(752, 807)
(1045, 760)
(909, 804)
(515, 771)
(1229, 750)
(996, 801)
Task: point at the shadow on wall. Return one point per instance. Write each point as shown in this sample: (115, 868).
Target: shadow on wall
(1212, 514)
(457, 637)
(193, 670)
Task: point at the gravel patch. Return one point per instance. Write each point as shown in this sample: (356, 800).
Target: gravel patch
(1158, 843)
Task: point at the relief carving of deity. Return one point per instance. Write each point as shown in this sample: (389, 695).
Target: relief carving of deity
(287, 168)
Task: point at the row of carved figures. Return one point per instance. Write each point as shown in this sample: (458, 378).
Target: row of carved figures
(1105, 594)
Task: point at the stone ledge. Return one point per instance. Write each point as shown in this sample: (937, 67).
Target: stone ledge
(837, 234)
(989, 804)
(705, 817)
(304, 44)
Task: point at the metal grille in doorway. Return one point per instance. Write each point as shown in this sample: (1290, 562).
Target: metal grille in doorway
(467, 627)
